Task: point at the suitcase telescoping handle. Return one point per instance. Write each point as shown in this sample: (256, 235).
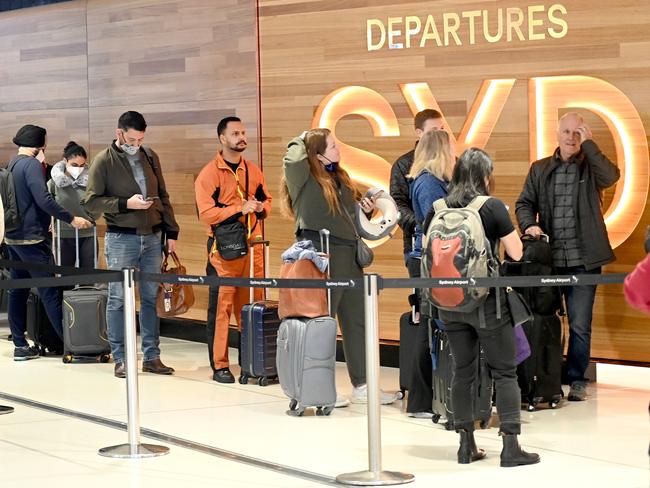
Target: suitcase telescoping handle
(325, 247)
(258, 241)
(57, 253)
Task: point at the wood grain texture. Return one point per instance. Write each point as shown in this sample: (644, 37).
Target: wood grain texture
(608, 42)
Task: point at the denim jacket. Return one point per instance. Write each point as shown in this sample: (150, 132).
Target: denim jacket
(425, 190)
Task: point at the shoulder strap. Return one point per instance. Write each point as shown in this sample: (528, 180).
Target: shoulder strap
(439, 205)
(478, 202)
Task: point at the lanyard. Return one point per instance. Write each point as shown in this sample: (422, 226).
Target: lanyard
(241, 194)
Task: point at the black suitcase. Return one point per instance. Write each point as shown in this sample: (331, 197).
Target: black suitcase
(39, 327)
(85, 336)
(442, 375)
(259, 333)
(408, 332)
(540, 376)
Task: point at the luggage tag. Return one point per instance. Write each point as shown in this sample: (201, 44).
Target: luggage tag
(167, 299)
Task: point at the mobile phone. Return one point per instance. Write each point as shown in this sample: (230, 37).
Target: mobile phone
(151, 199)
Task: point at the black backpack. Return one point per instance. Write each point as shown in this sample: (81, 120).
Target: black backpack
(8, 195)
(537, 260)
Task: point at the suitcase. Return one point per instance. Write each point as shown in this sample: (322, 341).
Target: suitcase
(306, 359)
(85, 337)
(39, 327)
(259, 332)
(442, 376)
(408, 332)
(540, 376)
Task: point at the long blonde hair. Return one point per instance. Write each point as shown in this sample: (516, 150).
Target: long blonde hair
(316, 143)
(433, 155)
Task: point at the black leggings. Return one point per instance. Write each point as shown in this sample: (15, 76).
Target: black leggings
(499, 347)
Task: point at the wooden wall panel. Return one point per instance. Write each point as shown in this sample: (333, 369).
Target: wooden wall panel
(311, 47)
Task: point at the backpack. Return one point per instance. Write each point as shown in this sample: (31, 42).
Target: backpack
(455, 246)
(8, 195)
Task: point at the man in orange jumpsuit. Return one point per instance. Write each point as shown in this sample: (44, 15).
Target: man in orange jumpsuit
(230, 189)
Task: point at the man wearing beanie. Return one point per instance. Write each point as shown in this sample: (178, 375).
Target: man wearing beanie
(30, 241)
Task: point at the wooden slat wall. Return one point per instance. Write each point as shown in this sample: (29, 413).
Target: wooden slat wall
(76, 66)
(310, 48)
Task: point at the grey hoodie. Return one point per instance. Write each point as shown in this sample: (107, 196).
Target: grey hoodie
(68, 193)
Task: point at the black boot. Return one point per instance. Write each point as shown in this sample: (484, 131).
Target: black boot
(513, 455)
(468, 452)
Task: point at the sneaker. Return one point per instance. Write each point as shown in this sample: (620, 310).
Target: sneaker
(360, 395)
(578, 391)
(341, 401)
(420, 415)
(26, 352)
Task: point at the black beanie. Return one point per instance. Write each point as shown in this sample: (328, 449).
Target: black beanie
(30, 136)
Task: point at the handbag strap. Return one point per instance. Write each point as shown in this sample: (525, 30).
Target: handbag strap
(347, 214)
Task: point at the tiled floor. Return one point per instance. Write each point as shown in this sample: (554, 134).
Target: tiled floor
(602, 442)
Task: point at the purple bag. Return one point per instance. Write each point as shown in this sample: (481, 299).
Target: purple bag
(522, 347)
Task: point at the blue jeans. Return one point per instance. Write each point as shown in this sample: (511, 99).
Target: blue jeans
(145, 253)
(17, 304)
(579, 303)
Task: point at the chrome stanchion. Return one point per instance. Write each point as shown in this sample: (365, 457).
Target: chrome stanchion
(4, 409)
(134, 449)
(374, 476)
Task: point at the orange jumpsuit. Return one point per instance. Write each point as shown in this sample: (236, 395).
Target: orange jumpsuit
(219, 196)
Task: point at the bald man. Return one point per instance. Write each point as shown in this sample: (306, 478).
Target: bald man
(562, 197)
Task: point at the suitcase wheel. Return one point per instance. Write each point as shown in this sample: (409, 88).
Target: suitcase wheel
(328, 410)
(243, 379)
(67, 358)
(263, 381)
(436, 418)
(293, 404)
(319, 411)
(104, 358)
(449, 425)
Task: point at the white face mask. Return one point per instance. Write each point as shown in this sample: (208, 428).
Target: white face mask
(74, 171)
(130, 150)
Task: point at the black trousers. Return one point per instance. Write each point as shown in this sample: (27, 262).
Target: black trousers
(213, 298)
(420, 396)
(498, 341)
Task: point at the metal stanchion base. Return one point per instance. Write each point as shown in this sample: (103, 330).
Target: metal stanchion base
(5, 409)
(370, 478)
(141, 451)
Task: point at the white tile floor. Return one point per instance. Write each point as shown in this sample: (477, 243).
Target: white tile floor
(597, 443)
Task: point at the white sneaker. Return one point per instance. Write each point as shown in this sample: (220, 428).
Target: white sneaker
(360, 395)
(341, 401)
(421, 415)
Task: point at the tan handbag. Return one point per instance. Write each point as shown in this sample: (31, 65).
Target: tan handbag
(173, 298)
(302, 302)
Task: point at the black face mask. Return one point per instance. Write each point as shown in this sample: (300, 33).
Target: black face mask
(332, 166)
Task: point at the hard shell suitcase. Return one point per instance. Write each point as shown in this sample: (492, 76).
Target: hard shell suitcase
(306, 358)
(540, 376)
(85, 336)
(442, 376)
(408, 332)
(259, 332)
(39, 327)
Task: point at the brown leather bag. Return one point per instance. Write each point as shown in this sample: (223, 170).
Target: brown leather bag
(302, 302)
(173, 298)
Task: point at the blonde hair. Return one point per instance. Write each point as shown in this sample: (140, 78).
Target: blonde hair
(316, 143)
(433, 155)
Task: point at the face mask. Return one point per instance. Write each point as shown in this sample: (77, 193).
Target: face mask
(74, 171)
(332, 166)
(40, 156)
(129, 149)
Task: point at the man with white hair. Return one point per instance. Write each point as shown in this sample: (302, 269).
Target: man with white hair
(562, 197)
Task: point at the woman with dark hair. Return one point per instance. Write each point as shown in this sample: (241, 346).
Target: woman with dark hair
(472, 177)
(319, 194)
(68, 187)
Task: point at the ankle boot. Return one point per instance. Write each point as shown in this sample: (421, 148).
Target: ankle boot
(468, 452)
(513, 455)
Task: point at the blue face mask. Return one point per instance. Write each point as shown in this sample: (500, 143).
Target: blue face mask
(332, 166)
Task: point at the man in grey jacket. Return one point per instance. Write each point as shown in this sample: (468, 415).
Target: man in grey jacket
(562, 197)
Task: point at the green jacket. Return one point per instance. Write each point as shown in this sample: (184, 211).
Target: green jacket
(111, 183)
(307, 198)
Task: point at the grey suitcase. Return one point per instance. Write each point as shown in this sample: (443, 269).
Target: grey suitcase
(306, 360)
(84, 317)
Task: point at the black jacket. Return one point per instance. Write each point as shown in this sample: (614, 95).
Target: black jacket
(596, 172)
(399, 190)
